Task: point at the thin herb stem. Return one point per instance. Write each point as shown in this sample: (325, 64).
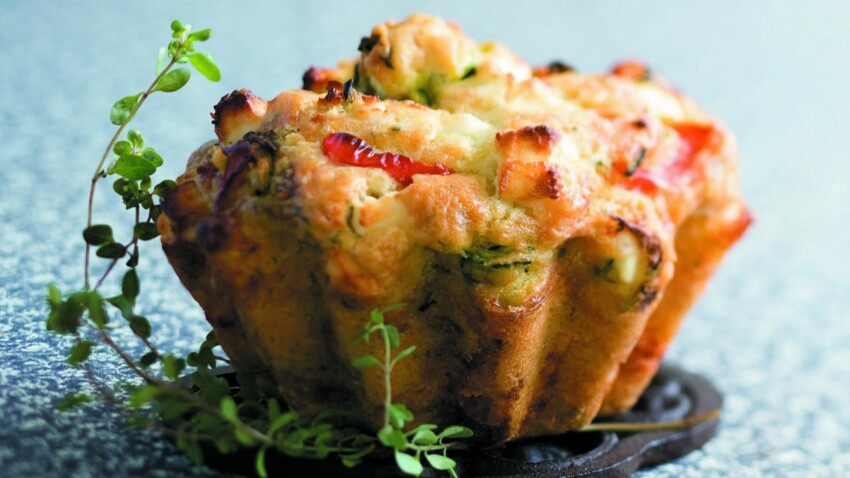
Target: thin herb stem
(98, 173)
(126, 358)
(388, 369)
(99, 388)
(112, 264)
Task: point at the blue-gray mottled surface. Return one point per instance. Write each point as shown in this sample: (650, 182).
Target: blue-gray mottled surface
(772, 330)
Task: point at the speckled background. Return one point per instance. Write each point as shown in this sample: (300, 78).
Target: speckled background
(772, 331)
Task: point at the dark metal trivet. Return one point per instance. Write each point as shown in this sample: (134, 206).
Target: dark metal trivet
(673, 394)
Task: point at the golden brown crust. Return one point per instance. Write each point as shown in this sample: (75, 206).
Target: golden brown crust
(543, 279)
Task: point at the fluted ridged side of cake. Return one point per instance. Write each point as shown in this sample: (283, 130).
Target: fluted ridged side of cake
(543, 277)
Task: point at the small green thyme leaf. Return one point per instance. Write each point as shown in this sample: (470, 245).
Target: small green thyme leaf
(440, 462)
(281, 421)
(140, 326)
(205, 65)
(130, 285)
(173, 80)
(148, 359)
(98, 234)
(112, 250)
(455, 431)
(80, 352)
(122, 304)
(146, 231)
(260, 463)
(145, 183)
(122, 108)
(163, 187)
(161, 59)
(365, 362)
(376, 317)
(122, 147)
(172, 366)
(424, 437)
(97, 310)
(65, 318)
(151, 155)
(392, 335)
(393, 307)
(408, 464)
(404, 353)
(121, 186)
(143, 395)
(200, 35)
(54, 295)
(136, 139)
(399, 414)
(244, 438)
(133, 167)
(392, 438)
(228, 409)
(73, 400)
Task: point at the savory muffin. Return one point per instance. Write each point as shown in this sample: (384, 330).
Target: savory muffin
(546, 229)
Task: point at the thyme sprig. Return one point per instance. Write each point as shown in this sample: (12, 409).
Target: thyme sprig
(228, 417)
(408, 447)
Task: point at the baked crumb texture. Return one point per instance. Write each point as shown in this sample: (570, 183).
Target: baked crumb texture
(544, 277)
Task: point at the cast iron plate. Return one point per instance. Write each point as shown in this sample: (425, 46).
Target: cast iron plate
(672, 395)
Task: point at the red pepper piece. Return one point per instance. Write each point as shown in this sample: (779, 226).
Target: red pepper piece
(344, 148)
(694, 138)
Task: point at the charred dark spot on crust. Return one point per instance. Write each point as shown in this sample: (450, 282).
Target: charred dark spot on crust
(206, 169)
(559, 67)
(367, 43)
(237, 104)
(240, 155)
(211, 234)
(646, 295)
(427, 303)
(234, 101)
(318, 80)
(266, 140)
(498, 344)
(553, 68)
(649, 242)
(332, 98)
(310, 77)
(639, 123)
(541, 137)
